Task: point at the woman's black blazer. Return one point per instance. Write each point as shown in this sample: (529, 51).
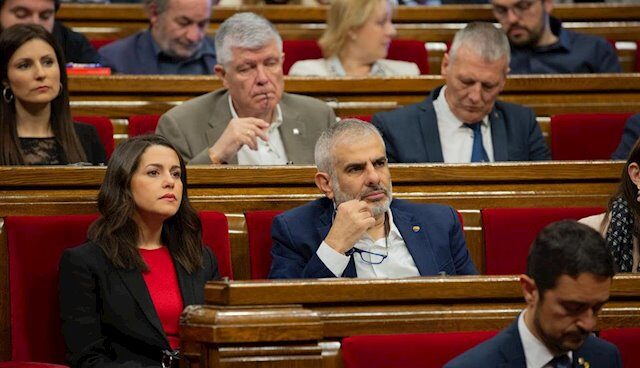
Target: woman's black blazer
(108, 318)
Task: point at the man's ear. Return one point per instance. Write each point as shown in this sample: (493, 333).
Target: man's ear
(221, 73)
(548, 6)
(152, 12)
(323, 182)
(529, 289)
(444, 65)
(634, 173)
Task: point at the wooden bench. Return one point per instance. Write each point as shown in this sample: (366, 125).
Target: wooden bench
(299, 323)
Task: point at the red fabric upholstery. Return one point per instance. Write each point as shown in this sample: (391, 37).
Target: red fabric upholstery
(428, 350)
(142, 124)
(406, 50)
(105, 130)
(13, 364)
(509, 232)
(366, 118)
(259, 233)
(586, 136)
(35, 244)
(215, 234)
(638, 56)
(97, 44)
(626, 339)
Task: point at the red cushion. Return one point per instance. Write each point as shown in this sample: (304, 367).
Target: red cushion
(13, 364)
(637, 56)
(97, 44)
(215, 234)
(366, 118)
(406, 50)
(408, 350)
(35, 244)
(586, 136)
(509, 232)
(626, 339)
(259, 234)
(105, 130)
(142, 124)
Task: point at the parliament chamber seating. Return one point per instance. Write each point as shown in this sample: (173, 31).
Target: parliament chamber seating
(626, 339)
(142, 124)
(429, 350)
(259, 236)
(215, 234)
(586, 136)
(509, 232)
(405, 50)
(13, 364)
(104, 127)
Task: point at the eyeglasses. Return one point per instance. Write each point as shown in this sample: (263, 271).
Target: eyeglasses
(368, 257)
(518, 9)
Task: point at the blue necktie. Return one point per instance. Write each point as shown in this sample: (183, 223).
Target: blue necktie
(561, 361)
(478, 154)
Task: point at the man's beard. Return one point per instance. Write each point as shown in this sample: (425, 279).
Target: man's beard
(553, 343)
(377, 208)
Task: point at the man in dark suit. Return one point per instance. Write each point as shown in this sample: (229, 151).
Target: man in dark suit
(357, 230)
(463, 121)
(630, 135)
(569, 272)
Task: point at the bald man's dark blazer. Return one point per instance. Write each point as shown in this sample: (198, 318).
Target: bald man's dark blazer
(411, 133)
(108, 317)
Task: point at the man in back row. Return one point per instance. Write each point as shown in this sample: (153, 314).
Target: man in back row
(463, 121)
(251, 121)
(569, 272)
(540, 45)
(359, 229)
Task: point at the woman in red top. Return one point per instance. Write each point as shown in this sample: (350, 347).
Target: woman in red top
(122, 292)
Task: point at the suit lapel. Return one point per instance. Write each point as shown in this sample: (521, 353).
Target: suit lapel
(429, 127)
(138, 288)
(512, 351)
(292, 131)
(326, 219)
(498, 136)
(218, 122)
(415, 237)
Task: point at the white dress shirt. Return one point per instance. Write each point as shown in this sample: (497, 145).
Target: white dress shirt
(398, 263)
(268, 153)
(535, 352)
(456, 139)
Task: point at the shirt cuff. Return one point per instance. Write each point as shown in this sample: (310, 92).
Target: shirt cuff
(335, 262)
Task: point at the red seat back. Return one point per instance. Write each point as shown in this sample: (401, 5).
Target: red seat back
(97, 44)
(215, 234)
(142, 124)
(259, 234)
(637, 56)
(105, 130)
(426, 350)
(13, 364)
(586, 136)
(626, 339)
(406, 50)
(34, 245)
(509, 232)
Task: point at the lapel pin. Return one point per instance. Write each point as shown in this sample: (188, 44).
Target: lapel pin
(416, 228)
(296, 131)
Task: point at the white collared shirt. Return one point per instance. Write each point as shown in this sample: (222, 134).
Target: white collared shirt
(398, 263)
(456, 139)
(535, 352)
(268, 153)
(338, 69)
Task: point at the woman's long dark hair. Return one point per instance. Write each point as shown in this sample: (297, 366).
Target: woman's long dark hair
(117, 233)
(11, 39)
(627, 190)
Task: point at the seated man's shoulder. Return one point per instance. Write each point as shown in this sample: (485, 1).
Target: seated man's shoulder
(426, 208)
(308, 212)
(599, 349)
(202, 105)
(291, 99)
(516, 112)
(487, 353)
(407, 114)
(121, 45)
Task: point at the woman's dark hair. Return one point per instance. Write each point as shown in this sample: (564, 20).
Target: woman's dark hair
(627, 190)
(11, 39)
(117, 233)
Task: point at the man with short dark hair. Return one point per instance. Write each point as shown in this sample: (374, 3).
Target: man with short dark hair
(75, 46)
(540, 45)
(175, 43)
(463, 121)
(569, 272)
(359, 229)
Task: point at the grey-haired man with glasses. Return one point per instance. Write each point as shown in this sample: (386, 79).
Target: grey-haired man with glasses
(540, 45)
(358, 229)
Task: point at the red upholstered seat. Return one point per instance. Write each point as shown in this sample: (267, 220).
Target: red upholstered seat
(105, 130)
(626, 339)
(637, 56)
(509, 232)
(142, 124)
(13, 364)
(215, 234)
(34, 245)
(586, 136)
(366, 118)
(259, 233)
(427, 350)
(97, 44)
(406, 50)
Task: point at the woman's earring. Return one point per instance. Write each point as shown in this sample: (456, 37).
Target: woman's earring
(7, 95)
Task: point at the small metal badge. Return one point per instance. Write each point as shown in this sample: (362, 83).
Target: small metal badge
(416, 228)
